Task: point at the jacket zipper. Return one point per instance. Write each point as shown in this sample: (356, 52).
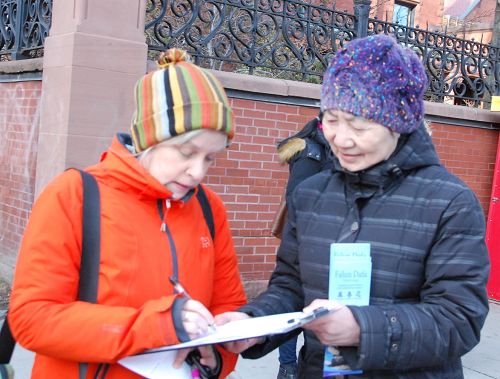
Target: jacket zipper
(164, 228)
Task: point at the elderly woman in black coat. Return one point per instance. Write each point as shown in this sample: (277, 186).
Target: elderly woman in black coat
(388, 189)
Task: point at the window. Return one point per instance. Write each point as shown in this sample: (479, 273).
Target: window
(403, 14)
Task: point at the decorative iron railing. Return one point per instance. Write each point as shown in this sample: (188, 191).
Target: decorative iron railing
(24, 24)
(293, 39)
(460, 72)
(281, 39)
(287, 39)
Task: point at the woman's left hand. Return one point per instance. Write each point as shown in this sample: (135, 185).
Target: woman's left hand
(338, 328)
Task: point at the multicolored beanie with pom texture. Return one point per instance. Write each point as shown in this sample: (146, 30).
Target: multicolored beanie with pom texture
(177, 98)
(375, 78)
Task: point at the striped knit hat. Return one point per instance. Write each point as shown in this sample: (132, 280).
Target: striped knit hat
(177, 98)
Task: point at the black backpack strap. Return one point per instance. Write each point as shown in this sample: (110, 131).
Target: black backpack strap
(89, 264)
(91, 240)
(7, 343)
(207, 210)
(91, 247)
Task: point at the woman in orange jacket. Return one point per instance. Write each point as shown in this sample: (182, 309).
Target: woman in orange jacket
(152, 229)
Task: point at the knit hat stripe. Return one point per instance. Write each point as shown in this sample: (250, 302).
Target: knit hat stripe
(160, 115)
(224, 121)
(137, 129)
(147, 112)
(202, 90)
(217, 115)
(178, 102)
(191, 95)
(169, 97)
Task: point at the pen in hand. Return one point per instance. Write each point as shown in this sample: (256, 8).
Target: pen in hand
(178, 288)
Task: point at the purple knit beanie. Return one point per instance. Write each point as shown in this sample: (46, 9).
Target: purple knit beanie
(375, 78)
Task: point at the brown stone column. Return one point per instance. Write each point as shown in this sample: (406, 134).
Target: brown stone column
(94, 54)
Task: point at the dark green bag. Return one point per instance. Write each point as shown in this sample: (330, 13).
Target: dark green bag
(6, 348)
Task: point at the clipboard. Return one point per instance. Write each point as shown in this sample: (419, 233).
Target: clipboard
(251, 328)
(157, 363)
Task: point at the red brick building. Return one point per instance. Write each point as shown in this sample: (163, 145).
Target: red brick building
(470, 19)
(406, 12)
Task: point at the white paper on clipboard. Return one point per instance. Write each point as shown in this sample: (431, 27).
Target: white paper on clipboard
(156, 363)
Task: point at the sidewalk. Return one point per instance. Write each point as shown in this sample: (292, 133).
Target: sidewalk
(483, 362)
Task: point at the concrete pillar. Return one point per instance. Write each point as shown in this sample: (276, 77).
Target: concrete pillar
(93, 56)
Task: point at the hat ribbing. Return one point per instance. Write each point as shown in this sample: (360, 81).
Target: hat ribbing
(177, 98)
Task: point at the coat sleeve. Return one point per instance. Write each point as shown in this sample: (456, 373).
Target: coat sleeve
(228, 291)
(446, 323)
(284, 292)
(43, 306)
(307, 163)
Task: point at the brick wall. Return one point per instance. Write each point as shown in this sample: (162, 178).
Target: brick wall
(470, 154)
(18, 145)
(248, 176)
(251, 180)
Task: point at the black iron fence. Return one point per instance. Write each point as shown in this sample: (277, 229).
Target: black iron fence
(460, 72)
(287, 39)
(292, 39)
(281, 39)
(24, 24)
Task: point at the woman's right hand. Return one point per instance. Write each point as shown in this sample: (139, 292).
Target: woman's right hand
(196, 319)
(241, 345)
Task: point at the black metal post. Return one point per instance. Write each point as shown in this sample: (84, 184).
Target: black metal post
(362, 13)
(18, 30)
(496, 45)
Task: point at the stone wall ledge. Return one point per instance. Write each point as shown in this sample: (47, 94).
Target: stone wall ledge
(282, 88)
(21, 66)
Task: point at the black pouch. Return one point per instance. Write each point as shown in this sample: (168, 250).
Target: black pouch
(6, 349)
(193, 359)
(6, 371)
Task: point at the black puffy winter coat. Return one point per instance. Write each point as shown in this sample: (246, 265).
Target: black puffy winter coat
(426, 228)
(306, 153)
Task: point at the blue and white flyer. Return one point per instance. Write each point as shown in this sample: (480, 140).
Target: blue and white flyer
(349, 284)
